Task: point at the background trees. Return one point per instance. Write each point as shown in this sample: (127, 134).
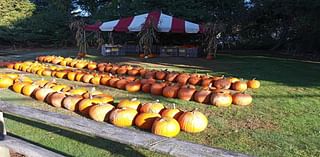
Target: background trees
(289, 25)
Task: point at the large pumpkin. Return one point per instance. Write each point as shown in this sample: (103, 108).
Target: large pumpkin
(221, 98)
(101, 112)
(145, 120)
(123, 117)
(183, 78)
(153, 107)
(193, 121)
(126, 103)
(203, 95)
(5, 82)
(241, 99)
(253, 84)
(161, 75)
(166, 126)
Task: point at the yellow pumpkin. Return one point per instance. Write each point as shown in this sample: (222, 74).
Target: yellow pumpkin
(152, 107)
(193, 121)
(145, 120)
(166, 126)
(100, 112)
(126, 103)
(5, 82)
(123, 117)
(17, 87)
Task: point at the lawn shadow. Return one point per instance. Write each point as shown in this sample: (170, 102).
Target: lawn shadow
(111, 146)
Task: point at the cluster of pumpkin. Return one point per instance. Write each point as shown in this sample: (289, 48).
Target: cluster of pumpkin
(98, 106)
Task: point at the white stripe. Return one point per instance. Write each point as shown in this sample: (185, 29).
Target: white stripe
(191, 27)
(137, 23)
(165, 23)
(108, 26)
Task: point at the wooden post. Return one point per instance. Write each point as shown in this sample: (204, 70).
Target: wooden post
(2, 127)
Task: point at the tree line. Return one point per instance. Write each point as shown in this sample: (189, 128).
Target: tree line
(287, 25)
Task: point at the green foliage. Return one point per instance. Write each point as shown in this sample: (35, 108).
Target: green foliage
(12, 11)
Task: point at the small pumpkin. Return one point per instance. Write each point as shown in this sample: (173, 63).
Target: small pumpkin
(61, 74)
(183, 78)
(29, 89)
(71, 75)
(171, 76)
(70, 102)
(186, 92)
(113, 82)
(254, 84)
(171, 91)
(92, 66)
(193, 121)
(96, 80)
(166, 126)
(17, 86)
(146, 87)
(161, 75)
(123, 117)
(84, 106)
(156, 88)
(172, 112)
(105, 80)
(194, 80)
(145, 120)
(133, 72)
(241, 99)
(42, 93)
(221, 98)
(203, 95)
(5, 82)
(121, 84)
(79, 76)
(150, 74)
(126, 103)
(153, 107)
(101, 112)
(239, 86)
(133, 86)
(222, 83)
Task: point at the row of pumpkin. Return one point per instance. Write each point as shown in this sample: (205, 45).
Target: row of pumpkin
(208, 95)
(182, 78)
(100, 107)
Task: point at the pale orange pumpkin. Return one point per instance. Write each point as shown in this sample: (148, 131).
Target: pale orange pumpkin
(123, 117)
(166, 126)
(126, 103)
(254, 84)
(101, 112)
(172, 112)
(241, 99)
(153, 107)
(193, 121)
(70, 102)
(145, 120)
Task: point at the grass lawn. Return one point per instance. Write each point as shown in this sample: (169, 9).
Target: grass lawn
(284, 119)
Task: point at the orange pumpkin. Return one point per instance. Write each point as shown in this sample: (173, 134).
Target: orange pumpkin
(221, 98)
(145, 120)
(203, 95)
(56, 99)
(121, 84)
(84, 106)
(171, 91)
(92, 66)
(96, 80)
(154, 107)
(172, 112)
(105, 80)
(156, 88)
(239, 86)
(28, 89)
(171, 76)
(87, 77)
(222, 83)
(186, 92)
(70, 102)
(5, 82)
(183, 78)
(161, 75)
(241, 99)
(133, 86)
(17, 86)
(254, 84)
(42, 93)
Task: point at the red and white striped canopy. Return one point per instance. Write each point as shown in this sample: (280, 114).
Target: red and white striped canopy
(164, 23)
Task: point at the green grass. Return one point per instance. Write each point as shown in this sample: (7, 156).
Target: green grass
(283, 120)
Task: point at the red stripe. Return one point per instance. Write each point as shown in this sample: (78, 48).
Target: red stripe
(177, 25)
(123, 24)
(153, 18)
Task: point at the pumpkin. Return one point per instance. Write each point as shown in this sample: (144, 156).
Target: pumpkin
(81, 65)
(23, 79)
(79, 76)
(87, 77)
(96, 80)
(206, 82)
(114, 69)
(10, 65)
(172, 112)
(171, 91)
(92, 66)
(146, 87)
(123, 117)
(91, 93)
(241, 99)
(161, 75)
(194, 80)
(41, 82)
(239, 86)
(183, 78)
(103, 98)
(222, 83)
(171, 76)
(186, 92)
(153, 107)
(122, 70)
(100, 112)
(39, 71)
(142, 72)
(46, 72)
(105, 80)
(166, 126)
(70, 102)
(42, 93)
(60, 87)
(203, 95)
(254, 84)
(108, 68)
(5, 82)
(101, 67)
(233, 79)
(12, 76)
(28, 89)
(150, 74)
(71, 75)
(221, 98)
(193, 121)
(17, 66)
(156, 88)
(113, 82)
(61, 74)
(78, 91)
(56, 99)
(84, 106)
(126, 103)
(133, 72)
(145, 120)
(121, 84)
(17, 87)
(133, 86)
(148, 81)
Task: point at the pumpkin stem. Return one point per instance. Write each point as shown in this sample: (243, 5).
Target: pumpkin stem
(174, 106)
